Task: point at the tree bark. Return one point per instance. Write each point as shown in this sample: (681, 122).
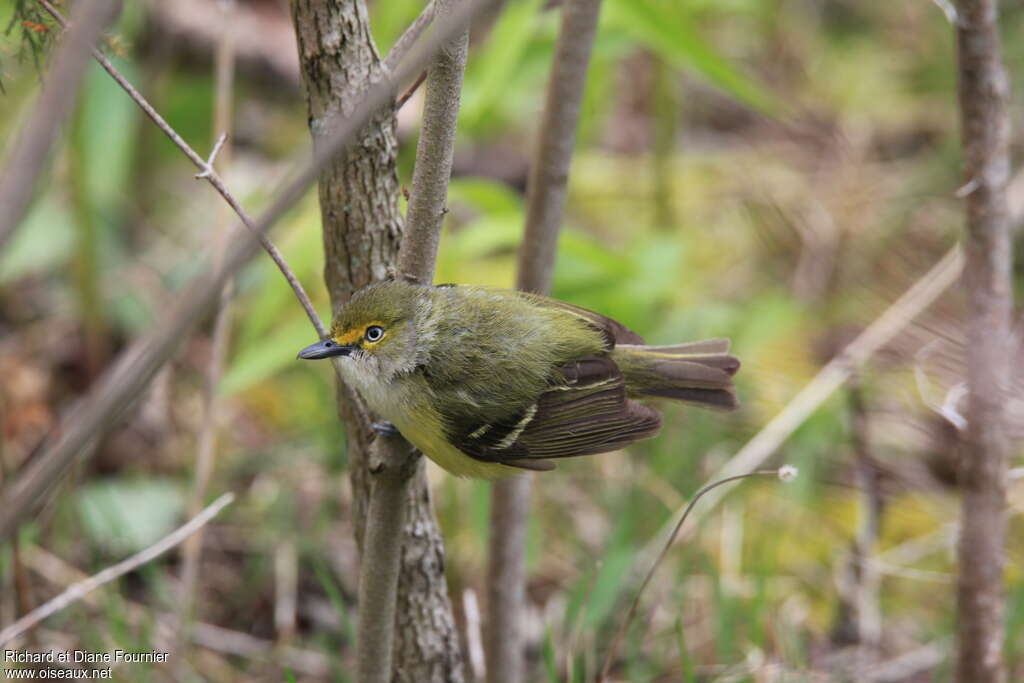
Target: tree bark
(984, 93)
(363, 230)
(546, 191)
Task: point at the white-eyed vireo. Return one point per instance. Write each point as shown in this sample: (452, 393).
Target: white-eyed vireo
(486, 380)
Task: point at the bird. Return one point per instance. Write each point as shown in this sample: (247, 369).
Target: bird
(488, 382)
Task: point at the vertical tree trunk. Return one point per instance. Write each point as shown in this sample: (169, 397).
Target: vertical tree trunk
(984, 92)
(362, 234)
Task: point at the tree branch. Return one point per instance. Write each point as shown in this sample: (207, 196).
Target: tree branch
(32, 144)
(393, 462)
(546, 192)
(549, 174)
(434, 155)
(409, 37)
(207, 172)
(985, 122)
(135, 366)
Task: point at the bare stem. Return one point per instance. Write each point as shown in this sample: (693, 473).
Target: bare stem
(984, 91)
(546, 193)
(409, 37)
(613, 649)
(77, 591)
(32, 144)
(549, 173)
(434, 155)
(393, 463)
(382, 550)
(224, 65)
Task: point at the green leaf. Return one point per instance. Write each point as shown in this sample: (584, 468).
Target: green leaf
(259, 361)
(125, 516)
(487, 196)
(663, 28)
(497, 62)
(43, 241)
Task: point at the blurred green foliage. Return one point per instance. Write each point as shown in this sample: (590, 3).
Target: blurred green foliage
(808, 182)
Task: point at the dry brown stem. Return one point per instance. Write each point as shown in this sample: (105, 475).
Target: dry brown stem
(985, 122)
(546, 191)
(224, 67)
(77, 591)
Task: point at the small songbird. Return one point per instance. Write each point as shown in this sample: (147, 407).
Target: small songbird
(485, 381)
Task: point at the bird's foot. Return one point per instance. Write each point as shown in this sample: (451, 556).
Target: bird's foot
(385, 428)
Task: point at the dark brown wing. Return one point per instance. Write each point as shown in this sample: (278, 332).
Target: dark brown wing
(614, 332)
(585, 412)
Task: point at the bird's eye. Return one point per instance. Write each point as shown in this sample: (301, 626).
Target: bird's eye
(374, 333)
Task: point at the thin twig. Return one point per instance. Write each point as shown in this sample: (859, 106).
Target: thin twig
(949, 10)
(207, 173)
(411, 90)
(613, 649)
(409, 37)
(32, 143)
(77, 591)
(474, 639)
(224, 77)
(208, 636)
(135, 366)
(213, 156)
(548, 183)
(434, 154)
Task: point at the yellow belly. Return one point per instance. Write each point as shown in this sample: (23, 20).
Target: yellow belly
(429, 439)
(405, 405)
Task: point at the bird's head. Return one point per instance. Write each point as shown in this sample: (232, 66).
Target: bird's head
(376, 329)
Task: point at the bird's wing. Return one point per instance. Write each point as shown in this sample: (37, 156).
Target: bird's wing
(614, 332)
(585, 412)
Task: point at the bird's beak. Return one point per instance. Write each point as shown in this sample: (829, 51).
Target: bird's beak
(324, 349)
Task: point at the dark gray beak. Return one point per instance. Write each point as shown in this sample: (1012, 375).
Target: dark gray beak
(324, 349)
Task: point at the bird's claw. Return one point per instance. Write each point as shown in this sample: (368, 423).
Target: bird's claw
(385, 428)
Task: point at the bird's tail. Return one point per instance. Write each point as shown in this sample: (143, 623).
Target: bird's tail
(699, 372)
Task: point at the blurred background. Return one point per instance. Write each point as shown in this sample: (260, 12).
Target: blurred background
(773, 171)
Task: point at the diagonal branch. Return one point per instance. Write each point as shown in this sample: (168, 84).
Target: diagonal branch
(919, 297)
(32, 144)
(405, 41)
(135, 367)
(207, 172)
(77, 591)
